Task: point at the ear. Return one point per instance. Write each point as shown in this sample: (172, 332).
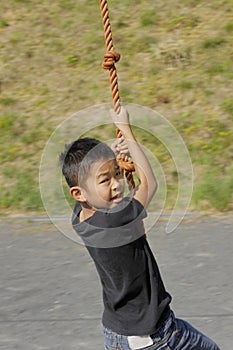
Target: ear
(77, 193)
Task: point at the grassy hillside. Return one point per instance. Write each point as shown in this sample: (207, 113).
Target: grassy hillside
(177, 58)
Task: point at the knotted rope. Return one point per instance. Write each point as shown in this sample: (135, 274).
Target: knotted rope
(110, 58)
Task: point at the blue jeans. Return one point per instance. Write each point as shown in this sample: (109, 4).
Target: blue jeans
(173, 334)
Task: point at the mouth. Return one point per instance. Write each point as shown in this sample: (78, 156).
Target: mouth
(117, 198)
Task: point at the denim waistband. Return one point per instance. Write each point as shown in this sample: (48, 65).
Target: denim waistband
(165, 326)
(164, 318)
(117, 341)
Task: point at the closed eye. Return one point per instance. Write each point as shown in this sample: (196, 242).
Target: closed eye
(104, 181)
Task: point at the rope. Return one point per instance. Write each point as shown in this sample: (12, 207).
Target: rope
(110, 58)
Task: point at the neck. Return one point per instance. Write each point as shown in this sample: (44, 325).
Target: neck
(86, 212)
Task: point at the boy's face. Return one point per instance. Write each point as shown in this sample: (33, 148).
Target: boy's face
(104, 187)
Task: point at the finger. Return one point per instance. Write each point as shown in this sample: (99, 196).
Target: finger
(124, 152)
(124, 157)
(124, 147)
(121, 140)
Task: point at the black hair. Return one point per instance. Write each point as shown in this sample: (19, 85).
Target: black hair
(78, 156)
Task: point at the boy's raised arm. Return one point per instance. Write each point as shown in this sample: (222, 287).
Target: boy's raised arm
(147, 186)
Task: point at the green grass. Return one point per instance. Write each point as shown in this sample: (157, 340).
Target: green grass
(174, 59)
(23, 190)
(3, 23)
(213, 42)
(227, 106)
(214, 188)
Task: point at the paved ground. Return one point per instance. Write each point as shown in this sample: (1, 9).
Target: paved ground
(51, 297)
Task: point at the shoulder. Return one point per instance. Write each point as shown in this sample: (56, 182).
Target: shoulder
(127, 210)
(130, 209)
(111, 228)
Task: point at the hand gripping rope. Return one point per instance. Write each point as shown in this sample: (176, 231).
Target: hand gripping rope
(110, 58)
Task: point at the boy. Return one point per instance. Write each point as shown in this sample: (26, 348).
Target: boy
(137, 312)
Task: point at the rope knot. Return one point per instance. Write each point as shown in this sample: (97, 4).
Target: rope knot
(126, 165)
(110, 58)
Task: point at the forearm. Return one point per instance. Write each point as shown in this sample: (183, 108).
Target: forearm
(147, 187)
(142, 166)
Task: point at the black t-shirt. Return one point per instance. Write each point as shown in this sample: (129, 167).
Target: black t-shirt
(134, 295)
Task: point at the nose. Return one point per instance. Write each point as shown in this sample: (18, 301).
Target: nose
(116, 184)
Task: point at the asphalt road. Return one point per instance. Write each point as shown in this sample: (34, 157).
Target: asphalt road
(51, 296)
